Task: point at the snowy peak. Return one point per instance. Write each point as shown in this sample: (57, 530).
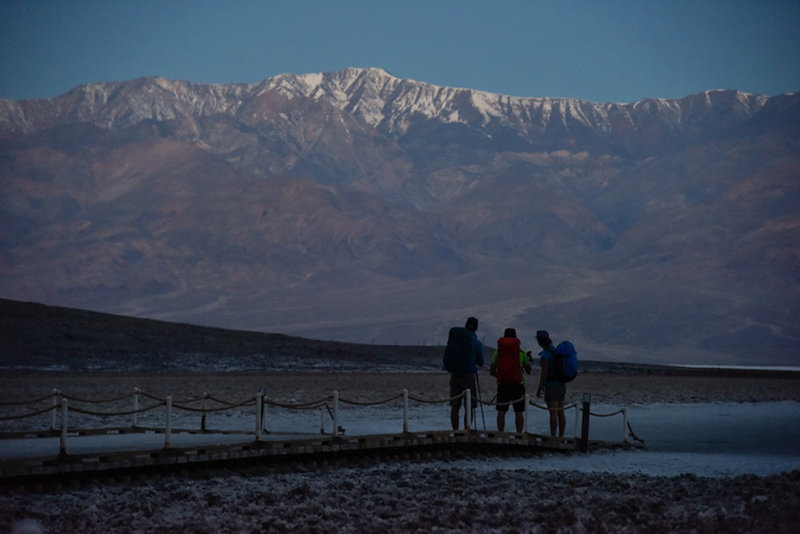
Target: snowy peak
(392, 104)
(379, 99)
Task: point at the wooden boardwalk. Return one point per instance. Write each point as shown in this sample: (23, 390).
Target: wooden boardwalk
(286, 454)
(65, 454)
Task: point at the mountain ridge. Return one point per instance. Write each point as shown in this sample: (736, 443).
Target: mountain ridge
(356, 91)
(356, 205)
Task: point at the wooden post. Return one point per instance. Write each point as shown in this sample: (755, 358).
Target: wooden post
(335, 413)
(135, 415)
(467, 409)
(577, 432)
(527, 418)
(587, 400)
(405, 410)
(203, 413)
(62, 446)
(264, 416)
(168, 424)
(53, 411)
(322, 420)
(624, 426)
(259, 407)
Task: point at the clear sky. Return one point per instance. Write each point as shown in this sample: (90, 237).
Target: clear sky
(598, 50)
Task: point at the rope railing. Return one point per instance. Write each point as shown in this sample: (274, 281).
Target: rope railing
(578, 411)
(223, 402)
(22, 403)
(150, 396)
(606, 414)
(374, 403)
(114, 414)
(98, 401)
(201, 398)
(261, 402)
(300, 406)
(26, 416)
(247, 402)
(435, 401)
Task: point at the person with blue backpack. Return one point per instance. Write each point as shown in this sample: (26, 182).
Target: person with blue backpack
(559, 366)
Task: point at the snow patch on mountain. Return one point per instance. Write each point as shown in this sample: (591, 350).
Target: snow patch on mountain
(372, 95)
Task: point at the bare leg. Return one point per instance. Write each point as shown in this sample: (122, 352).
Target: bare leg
(519, 419)
(562, 420)
(501, 421)
(454, 417)
(552, 408)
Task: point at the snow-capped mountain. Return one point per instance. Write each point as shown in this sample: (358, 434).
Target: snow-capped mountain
(374, 96)
(393, 104)
(360, 206)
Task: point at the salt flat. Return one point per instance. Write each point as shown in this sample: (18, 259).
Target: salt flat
(723, 454)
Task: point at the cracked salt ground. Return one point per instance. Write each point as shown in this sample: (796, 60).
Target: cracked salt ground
(427, 497)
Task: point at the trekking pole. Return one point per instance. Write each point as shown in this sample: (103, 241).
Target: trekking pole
(480, 400)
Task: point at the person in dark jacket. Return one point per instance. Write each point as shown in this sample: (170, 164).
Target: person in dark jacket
(463, 357)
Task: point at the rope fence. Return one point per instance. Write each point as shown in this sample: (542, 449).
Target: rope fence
(62, 406)
(22, 403)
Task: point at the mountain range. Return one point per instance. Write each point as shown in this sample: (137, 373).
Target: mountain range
(358, 206)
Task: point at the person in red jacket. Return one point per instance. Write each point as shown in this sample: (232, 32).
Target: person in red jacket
(508, 362)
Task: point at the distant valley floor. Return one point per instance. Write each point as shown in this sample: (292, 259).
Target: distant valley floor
(619, 388)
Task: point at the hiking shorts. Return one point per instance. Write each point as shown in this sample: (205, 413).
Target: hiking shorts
(457, 386)
(555, 392)
(509, 393)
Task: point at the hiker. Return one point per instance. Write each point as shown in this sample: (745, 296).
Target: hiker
(508, 362)
(554, 390)
(462, 358)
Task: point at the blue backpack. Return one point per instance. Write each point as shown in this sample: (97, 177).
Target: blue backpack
(565, 363)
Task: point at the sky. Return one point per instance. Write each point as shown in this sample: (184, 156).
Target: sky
(601, 51)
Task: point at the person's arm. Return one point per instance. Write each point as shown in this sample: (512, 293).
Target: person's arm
(479, 356)
(493, 366)
(525, 361)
